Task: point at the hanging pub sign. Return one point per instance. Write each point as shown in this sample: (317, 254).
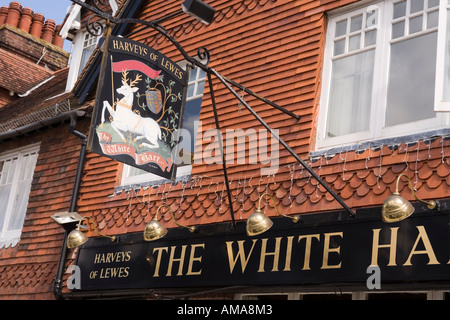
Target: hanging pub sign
(139, 107)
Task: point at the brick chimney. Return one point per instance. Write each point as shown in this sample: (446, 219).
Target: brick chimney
(30, 35)
(30, 50)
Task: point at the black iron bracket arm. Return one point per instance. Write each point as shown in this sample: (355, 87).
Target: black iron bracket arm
(203, 54)
(283, 143)
(96, 28)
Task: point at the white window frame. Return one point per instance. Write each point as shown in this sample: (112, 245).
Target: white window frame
(183, 171)
(377, 130)
(75, 58)
(11, 237)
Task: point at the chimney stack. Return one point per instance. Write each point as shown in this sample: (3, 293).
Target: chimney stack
(14, 12)
(19, 28)
(3, 14)
(38, 23)
(49, 30)
(26, 19)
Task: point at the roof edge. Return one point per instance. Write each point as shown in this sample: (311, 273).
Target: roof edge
(41, 124)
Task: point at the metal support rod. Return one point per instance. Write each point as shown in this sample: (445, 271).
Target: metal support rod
(335, 196)
(245, 89)
(216, 118)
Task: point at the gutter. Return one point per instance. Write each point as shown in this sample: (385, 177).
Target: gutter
(41, 124)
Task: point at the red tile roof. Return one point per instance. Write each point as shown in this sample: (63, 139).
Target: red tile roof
(18, 74)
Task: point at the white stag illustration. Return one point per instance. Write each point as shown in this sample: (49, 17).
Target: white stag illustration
(124, 119)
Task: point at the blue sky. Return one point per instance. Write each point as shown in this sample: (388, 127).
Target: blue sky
(51, 9)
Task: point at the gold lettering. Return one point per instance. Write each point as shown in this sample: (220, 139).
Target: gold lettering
(115, 44)
(275, 254)
(158, 259)
(192, 258)
(428, 248)
(179, 260)
(241, 254)
(172, 68)
(153, 56)
(308, 249)
(121, 47)
(327, 250)
(287, 263)
(111, 257)
(122, 272)
(376, 246)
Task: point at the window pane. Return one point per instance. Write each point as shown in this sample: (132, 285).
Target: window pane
(411, 80)
(201, 87)
(87, 52)
(20, 205)
(356, 23)
(350, 94)
(339, 47)
(371, 37)
(416, 6)
(415, 24)
(191, 90)
(446, 96)
(4, 196)
(354, 42)
(432, 19)
(201, 74)
(398, 30)
(190, 123)
(341, 28)
(433, 3)
(399, 9)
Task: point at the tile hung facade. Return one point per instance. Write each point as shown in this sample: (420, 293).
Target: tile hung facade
(276, 48)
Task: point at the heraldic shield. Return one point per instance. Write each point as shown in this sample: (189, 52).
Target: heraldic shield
(139, 107)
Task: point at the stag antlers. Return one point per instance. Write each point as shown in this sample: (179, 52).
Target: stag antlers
(125, 78)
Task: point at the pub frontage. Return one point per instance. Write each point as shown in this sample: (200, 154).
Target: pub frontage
(328, 223)
(345, 256)
(250, 150)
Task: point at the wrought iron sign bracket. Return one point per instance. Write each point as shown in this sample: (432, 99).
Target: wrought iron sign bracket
(204, 55)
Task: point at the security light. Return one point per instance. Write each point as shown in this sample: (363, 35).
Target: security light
(199, 10)
(68, 220)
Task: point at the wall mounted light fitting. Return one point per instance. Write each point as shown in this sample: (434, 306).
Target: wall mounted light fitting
(397, 208)
(155, 230)
(258, 222)
(76, 237)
